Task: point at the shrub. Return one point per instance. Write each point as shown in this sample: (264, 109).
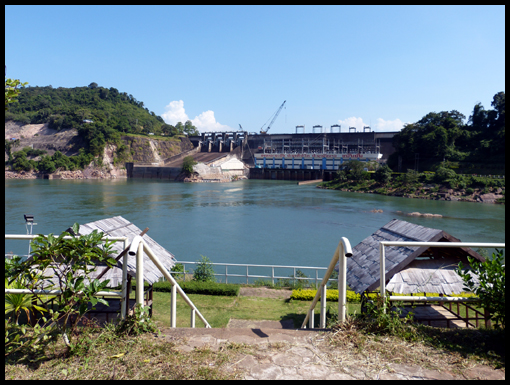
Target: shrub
(71, 261)
(187, 165)
(204, 271)
(383, 174)
(196, 287)
(443, 174)
(331, 295)
(491, 290)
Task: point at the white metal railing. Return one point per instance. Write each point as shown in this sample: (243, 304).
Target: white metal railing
(345, 248)
(247, 275)
(382, 267)
(342, 252)
(137, 246)
(122, 295)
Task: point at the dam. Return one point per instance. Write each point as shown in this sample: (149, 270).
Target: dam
(300, 156)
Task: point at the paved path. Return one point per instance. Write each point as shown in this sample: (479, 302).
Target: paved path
(287, 354)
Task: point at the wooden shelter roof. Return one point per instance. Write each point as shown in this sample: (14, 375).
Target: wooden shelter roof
(408, 269)
(121, 227)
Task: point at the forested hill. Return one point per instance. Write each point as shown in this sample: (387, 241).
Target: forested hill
(101, 115)
(449, 138)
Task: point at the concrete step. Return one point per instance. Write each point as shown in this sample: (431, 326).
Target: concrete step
(197, 337)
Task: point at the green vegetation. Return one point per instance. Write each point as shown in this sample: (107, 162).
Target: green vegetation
(99, 114)
(197, 287)
(68, 262)
(332, 295)
(187, 165)
(218, 310)
(382, 335)
(12, 91)
(426, 184)
(204, 271)
(106, 354)
(445, 136)
(491, 290)
(24, 161)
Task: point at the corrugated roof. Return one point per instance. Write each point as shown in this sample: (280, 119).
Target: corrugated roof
(434, 274)
(121, 227)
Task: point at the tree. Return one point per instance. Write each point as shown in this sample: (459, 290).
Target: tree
(491, 289)
(11, 90)
(187, 165)
(46, 165)
(179, 128)
(355, 170)
(444, 174)
(383, 174)
(9, 144)
(190, 129)
(92, 85)
(204, 271)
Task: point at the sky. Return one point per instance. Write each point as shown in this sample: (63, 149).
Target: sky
(226, 66)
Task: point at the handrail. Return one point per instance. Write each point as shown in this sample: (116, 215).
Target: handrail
(124, 296)
(345, 247)
(113, 294)
(247, 275)
(347, 252)
(140, 244)
(33, 236)
(382, 268)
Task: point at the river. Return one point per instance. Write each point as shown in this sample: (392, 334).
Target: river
(250, 222)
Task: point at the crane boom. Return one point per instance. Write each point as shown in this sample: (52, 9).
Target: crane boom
(274, 118)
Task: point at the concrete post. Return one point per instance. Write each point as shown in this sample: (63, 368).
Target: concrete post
(323, 308)
(192, 323)
(342, 287)
(125, 294)
(173, 307)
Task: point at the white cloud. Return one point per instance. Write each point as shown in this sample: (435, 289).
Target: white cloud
(352, 122)
(388, 125)
(175, 112)
(207, 122)
(380, 125)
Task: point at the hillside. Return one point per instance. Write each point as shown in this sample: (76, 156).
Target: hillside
(130, 148)
(86, 124)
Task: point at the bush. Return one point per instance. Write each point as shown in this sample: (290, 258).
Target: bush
(331, 295)
(443, 174)
(383, 174)
(204, 271)
(187, 165)
(196, 287)
(491, 290)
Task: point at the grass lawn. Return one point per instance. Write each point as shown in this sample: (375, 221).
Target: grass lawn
(218, 310)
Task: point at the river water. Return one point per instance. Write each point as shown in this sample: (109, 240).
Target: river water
(247, 222)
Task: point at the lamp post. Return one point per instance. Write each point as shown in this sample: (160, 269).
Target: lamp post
(29, 221)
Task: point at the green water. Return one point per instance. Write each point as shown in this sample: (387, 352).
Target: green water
(251, 222)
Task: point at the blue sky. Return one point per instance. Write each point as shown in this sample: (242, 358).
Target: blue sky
(221, 66)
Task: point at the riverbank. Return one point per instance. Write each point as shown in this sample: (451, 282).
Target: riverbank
(433, 192)
(80, 174)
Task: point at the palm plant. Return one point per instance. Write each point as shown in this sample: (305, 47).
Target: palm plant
(15, 303)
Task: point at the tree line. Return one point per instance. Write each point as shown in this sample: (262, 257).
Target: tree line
(447, 136)
(100, 115)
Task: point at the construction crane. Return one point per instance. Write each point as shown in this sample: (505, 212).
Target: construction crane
(272, 121)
